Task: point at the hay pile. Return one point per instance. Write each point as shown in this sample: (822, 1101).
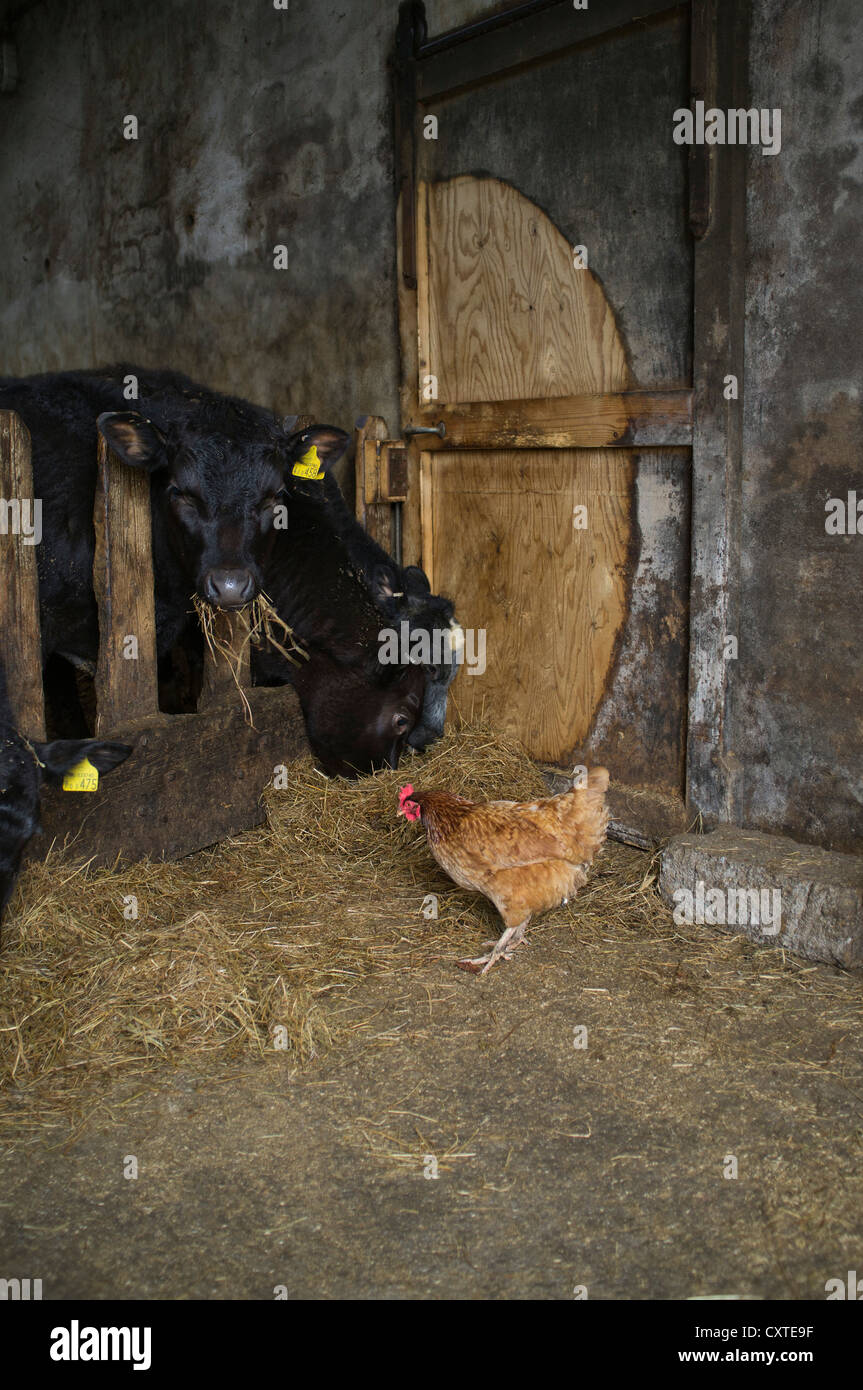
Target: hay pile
(257, 946)
(270, 930)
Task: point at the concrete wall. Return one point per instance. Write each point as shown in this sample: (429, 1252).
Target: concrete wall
(259, 126)
(797, 711)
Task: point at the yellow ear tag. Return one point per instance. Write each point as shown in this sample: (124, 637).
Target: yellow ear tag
(83, 777)
(309, 466)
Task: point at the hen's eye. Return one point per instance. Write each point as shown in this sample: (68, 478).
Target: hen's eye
(433, 673)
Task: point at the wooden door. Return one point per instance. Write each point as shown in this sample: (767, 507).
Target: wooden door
(546, 310)
(532, 543)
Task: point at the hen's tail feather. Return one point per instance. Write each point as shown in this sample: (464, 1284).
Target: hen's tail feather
(588, 815)
(597, 780)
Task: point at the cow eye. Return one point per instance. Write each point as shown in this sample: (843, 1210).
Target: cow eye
(401, 723)
(185, 499)
(273, 500)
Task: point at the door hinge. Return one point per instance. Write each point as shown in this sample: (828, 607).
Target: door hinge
(385, 471)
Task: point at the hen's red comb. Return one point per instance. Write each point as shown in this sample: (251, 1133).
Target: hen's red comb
(404, 793)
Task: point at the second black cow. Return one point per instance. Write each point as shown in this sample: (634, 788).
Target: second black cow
(359, 711)
(402, 594)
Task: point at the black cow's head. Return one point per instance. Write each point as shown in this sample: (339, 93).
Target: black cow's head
(222, 492)
(358, 719)
(405, 595)
(24, 766)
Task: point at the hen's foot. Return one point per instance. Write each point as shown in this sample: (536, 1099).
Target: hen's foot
(503, 949)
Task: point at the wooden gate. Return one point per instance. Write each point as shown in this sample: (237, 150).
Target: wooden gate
(192, 779)
(552, 354)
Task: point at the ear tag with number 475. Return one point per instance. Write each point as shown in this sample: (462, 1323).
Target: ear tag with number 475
(309, 466)
(83, 777)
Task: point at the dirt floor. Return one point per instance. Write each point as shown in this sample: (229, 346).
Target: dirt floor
(560, 1169)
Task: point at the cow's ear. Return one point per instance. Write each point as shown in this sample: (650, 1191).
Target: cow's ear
(385, 583)
(65, 753)
(320, 445)
(134, 438)
(415, 580)
(106, 756)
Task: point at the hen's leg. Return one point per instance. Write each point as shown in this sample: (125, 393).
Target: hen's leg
(512, 937)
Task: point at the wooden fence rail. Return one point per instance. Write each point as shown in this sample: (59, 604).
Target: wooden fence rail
(193, 779)
(20, 634)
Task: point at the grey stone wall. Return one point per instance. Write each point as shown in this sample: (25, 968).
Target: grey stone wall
(257, 127)
(797, 717)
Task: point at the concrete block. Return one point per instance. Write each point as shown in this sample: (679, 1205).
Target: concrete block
(770, 889)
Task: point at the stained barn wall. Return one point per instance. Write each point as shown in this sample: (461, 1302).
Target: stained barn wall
(261, 127)
(257, 127)
(797, 711)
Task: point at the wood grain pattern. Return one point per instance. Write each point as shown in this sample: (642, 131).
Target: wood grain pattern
(20, 637)
(646, 419)
(505, 318)
(126, 688)
(374, 515)
(408, 220)
(508, 315)
(191, 780)
(551, 598)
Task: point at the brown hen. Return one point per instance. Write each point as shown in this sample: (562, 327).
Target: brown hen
(525, 856)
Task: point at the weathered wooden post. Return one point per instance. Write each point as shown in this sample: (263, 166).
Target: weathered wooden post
(127, 687)
(20, 634)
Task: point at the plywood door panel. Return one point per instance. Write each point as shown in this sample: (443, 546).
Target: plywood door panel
(507, 314)
(551, 597)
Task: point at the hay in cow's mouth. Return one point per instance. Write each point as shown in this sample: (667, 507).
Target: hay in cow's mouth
(256, 623)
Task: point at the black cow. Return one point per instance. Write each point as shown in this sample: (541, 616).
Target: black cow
(404, 595)
(218, 471)
(358, 712)
(357, 717)
(401, 594)
(24, 766)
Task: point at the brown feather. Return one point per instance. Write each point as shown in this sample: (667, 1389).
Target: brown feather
(523, 856)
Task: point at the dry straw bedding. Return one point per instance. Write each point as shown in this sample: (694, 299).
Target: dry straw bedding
(274, 928)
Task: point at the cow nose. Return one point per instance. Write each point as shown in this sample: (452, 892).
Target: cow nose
(229, 588)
